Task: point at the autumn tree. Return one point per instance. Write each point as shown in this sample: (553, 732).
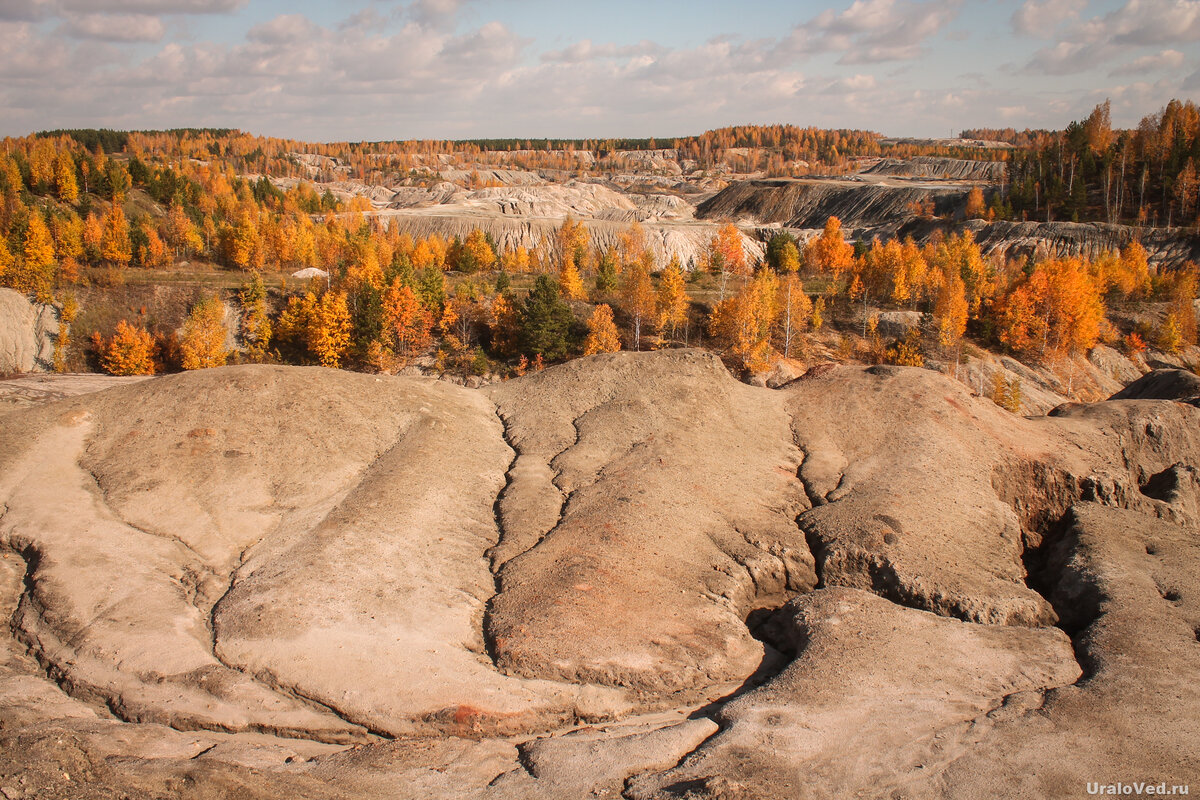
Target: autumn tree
(950, 311)
(818, 314)
(330, 329)
(602, 332)
(153, 252)
(638, 299)
(515, 260)
(7, 264)
(958, 254)
(572, 242)
(68, 310)
(673, 300)
(743, 323)
(976, 207)
(203, 343)
(783, 253)
(1056, 310)
(291, 328)
(65, 184)
(1178, 329)
(480, 252)
(93, 238)
(631, 246)
(36, 274)
(256, 321)
(829, 253)
(130, 351)
(570, 282)
(726, 254)
(504, 321)
(795, 310)
(406, 322)
(115, 246)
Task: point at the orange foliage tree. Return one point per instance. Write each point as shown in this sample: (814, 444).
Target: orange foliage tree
(743, 323)
(829, 253)
(1056, 310)
(602, 332)
(673, 300)
(130, 351)
(406, 322)
(203, 343)
(638, 298)
(726, 254)
(115, 247)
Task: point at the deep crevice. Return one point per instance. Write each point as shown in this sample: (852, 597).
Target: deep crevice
(489, 641)
(1076, 602)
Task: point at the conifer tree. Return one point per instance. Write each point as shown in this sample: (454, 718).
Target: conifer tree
(545, 321)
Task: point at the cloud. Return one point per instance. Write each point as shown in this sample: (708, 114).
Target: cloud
(586, 50)
(284, 29)
(429, 69)
(25, 10)
(872, 31)
(115, 27)
(1167, 59)
(1041, 19)
(435, 14)
(1067, 58)
(1152, 22)
(153, 6)
(1101, 40)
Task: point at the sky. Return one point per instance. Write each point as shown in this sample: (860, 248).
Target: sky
(353, 70)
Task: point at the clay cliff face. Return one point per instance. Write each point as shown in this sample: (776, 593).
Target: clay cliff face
(627, 575)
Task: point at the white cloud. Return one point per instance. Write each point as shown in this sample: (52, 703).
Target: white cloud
(25, 10)
(1152, 22)
(153, 6)
(872, 31)
(115, 27)
(427, 69)
(1102, 40)
(434, 15)
(284, 29)
(1041, 19)
(1167, 59)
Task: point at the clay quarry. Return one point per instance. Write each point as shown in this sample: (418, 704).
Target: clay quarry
(648, 575)
(627, 576)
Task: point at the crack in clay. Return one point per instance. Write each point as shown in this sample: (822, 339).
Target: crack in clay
(494, 568)
(102, 496)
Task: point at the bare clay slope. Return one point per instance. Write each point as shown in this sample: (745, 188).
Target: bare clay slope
(627, 575)
(641, 506)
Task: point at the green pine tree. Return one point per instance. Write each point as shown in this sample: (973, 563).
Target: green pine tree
(545, 321)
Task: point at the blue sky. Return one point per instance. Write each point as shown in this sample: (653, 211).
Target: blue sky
(376, 69)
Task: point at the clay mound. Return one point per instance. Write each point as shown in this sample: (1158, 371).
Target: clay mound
(808, 203)
(629, 574)
(628, 487)
(1165, 247)
(552, 200)
(504, 177)
(1162, 384)
(666, 238)
(933, 167)
(27, 333)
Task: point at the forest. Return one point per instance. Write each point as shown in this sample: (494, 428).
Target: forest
(83, 208)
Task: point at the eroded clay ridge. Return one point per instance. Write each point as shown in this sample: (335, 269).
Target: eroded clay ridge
(627, 574)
